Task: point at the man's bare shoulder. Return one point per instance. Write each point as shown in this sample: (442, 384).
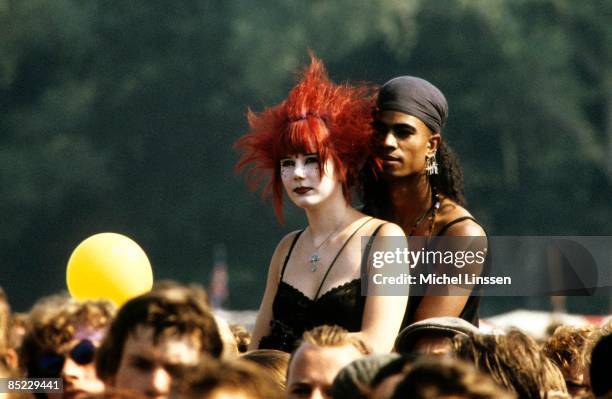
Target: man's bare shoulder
(450, 211)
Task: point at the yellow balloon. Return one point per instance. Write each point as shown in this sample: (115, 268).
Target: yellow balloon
(108, 266)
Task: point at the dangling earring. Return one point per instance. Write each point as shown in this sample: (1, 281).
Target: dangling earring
(431, 165)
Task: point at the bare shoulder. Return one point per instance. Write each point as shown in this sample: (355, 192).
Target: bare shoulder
(281, 251)
(450, 211)
(286, 241)
(389, 229)
(465, 228)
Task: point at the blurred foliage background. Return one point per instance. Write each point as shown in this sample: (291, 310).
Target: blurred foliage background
(121, 115)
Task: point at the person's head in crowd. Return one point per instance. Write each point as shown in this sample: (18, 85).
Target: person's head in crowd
(599, 369)
(156, 335)
(313, 366)
(321, 126)
(273, 361)
(433, 336)
(225, 379)
(5, 315)
(386, 379)
(62, 341)
(230, 347)
(355, 379)
(172, 289)
(569, 348)
(409, 117)
(5, 328)
(242, 337)
(432, 378)
(515, 361)
(6, 372)
(19, 326)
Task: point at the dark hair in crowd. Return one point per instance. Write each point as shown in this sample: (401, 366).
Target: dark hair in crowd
(600, 367)
(448, 182)
(171, 310)
(437, 378)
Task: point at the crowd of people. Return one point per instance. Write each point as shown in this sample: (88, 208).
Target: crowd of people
(322, 330)
(169, 344)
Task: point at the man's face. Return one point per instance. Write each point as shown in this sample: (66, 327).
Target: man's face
(313, 369)
(147, 367)
(433, 345)
(79, 379)
(73, 362)
(403, 142)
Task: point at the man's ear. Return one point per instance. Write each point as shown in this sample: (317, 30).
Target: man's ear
(12, 360)
(433, 143)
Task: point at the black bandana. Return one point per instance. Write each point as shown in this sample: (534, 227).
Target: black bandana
(416, 97)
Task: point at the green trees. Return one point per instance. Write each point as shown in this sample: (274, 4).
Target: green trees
(120, 116)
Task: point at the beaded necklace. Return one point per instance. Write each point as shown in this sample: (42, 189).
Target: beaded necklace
(431, 211)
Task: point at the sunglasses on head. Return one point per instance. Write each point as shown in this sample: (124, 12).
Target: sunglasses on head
(52, 364)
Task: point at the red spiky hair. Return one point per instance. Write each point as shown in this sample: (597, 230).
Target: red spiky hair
(317, 116)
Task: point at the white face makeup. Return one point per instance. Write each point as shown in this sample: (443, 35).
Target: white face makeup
(308, 163)
(305, 183)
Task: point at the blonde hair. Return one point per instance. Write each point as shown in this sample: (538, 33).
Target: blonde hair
(570, 348)
(273, 361)
(332, 336)
(214, 375)
(242, 336)
(514, 360)
(230, 347)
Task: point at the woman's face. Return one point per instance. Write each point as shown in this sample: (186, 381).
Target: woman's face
(305, 184)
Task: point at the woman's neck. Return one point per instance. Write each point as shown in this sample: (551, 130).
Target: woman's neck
(328, 216)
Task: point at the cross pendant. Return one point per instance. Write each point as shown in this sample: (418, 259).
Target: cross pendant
(313, 260)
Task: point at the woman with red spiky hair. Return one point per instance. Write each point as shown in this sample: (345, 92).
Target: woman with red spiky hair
(312, 145)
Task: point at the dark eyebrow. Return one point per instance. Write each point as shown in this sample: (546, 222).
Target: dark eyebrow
(300, 384)
(404, 126)
(138, 356)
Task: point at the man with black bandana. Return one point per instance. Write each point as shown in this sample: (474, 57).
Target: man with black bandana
(421, 188)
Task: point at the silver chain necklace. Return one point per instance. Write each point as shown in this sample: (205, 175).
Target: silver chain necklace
(316, 257)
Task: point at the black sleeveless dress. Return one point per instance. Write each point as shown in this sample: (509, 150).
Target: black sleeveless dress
(294, 313)
(470, 310)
